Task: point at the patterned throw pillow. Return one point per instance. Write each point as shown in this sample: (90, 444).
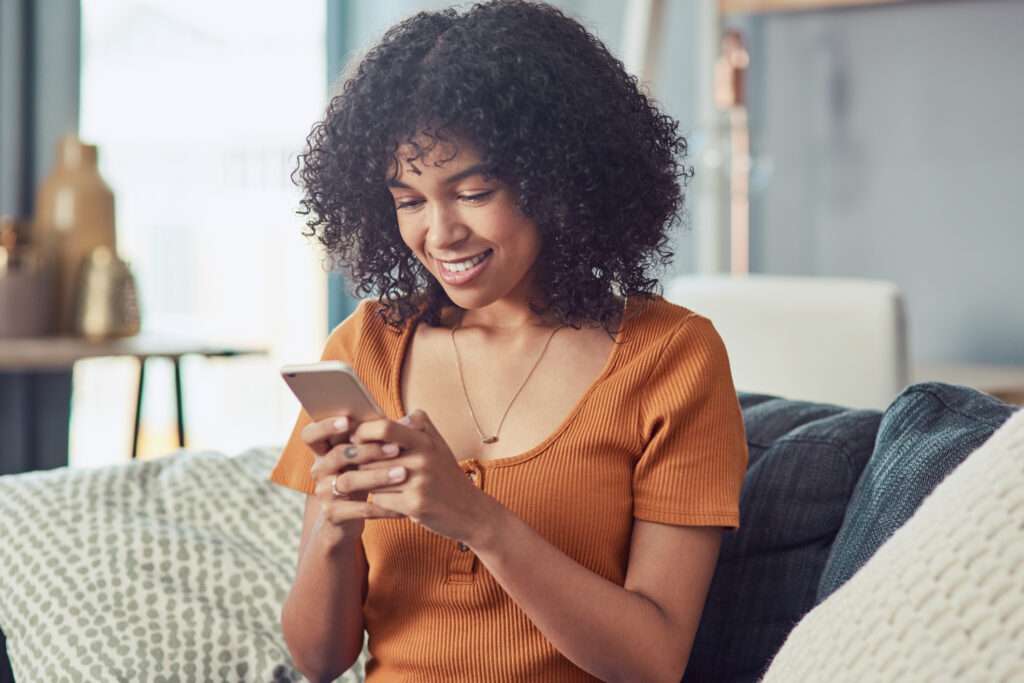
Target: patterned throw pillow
(942, 599)
(172, 569)
(927, 431)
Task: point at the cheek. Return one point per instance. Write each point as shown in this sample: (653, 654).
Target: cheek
(408, 233)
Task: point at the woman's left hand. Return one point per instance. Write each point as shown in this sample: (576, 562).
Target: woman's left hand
(435, 492)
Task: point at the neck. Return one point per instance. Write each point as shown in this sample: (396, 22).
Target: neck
(500, 323)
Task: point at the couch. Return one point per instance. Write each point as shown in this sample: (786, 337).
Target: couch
(175, 568)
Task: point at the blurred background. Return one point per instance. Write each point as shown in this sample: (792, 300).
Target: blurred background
(853, 224)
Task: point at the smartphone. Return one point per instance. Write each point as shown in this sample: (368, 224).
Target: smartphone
(331, 388)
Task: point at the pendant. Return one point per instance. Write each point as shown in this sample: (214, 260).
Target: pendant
(490, 439)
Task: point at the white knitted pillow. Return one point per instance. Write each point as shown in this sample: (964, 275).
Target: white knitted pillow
(942, 599)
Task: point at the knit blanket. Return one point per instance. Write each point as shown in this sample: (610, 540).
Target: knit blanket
(942, 599)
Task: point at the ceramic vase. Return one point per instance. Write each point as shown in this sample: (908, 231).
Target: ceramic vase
(74, 216)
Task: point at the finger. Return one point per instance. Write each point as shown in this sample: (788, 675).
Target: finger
(344, 455)
(407, 437)
(354, 482)
(392, 501)
(321, 435)
(340, 511)
(324, 491)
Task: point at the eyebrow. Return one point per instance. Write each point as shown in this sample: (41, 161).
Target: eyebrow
(475, 169)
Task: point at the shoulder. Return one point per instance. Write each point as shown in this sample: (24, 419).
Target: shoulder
(676, 340)
(660, 324)
(345, 339)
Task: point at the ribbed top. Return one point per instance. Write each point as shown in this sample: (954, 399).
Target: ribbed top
(658, 436)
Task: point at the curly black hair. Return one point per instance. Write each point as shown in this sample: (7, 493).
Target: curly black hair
(592, 161)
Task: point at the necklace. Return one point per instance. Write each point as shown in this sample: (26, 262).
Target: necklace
(458, 363)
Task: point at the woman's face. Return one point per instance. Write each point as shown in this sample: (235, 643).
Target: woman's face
(452, 212)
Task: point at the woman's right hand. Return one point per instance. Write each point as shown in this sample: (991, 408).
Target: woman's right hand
(335, 456)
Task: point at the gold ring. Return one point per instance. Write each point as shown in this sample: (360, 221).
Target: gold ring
(334, 488)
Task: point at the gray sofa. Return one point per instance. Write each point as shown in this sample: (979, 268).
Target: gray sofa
(826, 486)
(153, 587)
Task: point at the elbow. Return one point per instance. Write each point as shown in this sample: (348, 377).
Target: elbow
(315, 676)
(316, 671)
(668, 670)
(648, 676)
(314, 663)
(662, 675)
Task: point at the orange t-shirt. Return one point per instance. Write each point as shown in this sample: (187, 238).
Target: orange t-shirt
(658, 436)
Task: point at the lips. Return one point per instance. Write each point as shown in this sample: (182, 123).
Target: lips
(464, 258)
(462, 277)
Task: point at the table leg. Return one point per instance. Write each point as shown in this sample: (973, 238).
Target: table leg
(138, 408)
(178, 400)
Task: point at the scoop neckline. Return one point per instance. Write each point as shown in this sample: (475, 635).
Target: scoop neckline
(396, 393)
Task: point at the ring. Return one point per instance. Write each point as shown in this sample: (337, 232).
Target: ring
(334, 488)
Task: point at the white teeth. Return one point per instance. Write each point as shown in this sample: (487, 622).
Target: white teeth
(463, 266)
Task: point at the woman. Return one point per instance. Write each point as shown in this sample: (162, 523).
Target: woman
(545, 496)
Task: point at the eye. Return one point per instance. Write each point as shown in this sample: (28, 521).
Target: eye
(471, 198)
(480, 196)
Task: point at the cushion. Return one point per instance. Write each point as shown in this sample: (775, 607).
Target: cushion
(925, 433)
(167, 569)
(805, 459)
(942, 599)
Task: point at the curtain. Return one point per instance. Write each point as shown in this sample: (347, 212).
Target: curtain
(39, 62)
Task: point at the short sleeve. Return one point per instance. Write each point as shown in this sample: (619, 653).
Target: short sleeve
(296, 459)
(695, 454)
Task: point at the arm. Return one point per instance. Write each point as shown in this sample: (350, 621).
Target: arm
(322, 618)
(642, 631)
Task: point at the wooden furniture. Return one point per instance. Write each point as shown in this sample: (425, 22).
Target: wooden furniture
(61, 353)
(757, 6)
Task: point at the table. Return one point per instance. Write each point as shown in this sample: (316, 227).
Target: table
(61, 353)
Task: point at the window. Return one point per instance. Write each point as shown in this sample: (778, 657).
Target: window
(199, 110)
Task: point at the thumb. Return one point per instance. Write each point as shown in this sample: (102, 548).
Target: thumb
(421, 421)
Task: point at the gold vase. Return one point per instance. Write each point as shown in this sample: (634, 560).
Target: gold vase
(74, 216)
(106, 300)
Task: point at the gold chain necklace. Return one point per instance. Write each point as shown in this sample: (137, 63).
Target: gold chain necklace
(458, 363)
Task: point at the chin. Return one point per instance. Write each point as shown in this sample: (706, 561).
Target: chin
(464, 299)
(471, 300)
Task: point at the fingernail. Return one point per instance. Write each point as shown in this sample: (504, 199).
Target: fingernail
(341, 424)
(406, 420)
(389, 449)
(396, 473)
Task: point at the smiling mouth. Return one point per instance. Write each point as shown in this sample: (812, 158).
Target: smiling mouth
(464, 265)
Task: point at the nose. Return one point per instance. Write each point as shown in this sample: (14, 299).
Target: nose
(444, 229)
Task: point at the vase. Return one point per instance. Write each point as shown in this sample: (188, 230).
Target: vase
(74, 216)
(107, 303)
(26, 283)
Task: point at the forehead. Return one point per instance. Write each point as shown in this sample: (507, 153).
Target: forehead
(427, 154)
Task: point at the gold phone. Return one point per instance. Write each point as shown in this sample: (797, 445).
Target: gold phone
(331, 388)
